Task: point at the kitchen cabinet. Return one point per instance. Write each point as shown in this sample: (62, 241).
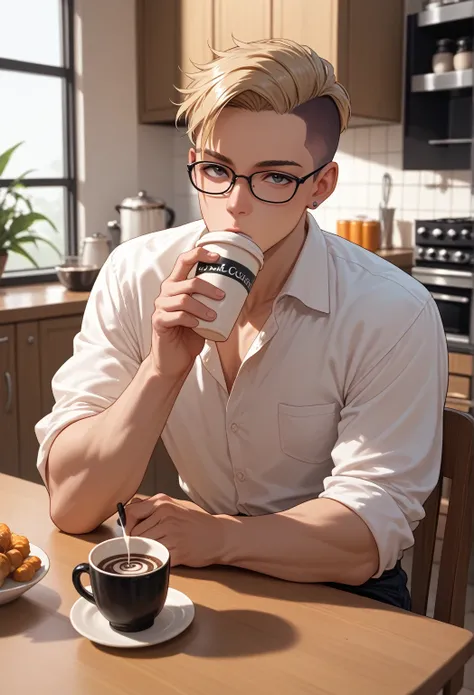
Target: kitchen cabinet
(9, 457)
(37, 329)
(170, 34)
(233, 18)
(363, 39)
(29, 396)
(56, 346)
(42, 347)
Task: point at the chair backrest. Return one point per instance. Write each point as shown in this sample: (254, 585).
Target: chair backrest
(458, 467)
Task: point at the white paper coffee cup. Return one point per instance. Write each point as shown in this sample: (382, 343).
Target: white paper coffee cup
(240, 260)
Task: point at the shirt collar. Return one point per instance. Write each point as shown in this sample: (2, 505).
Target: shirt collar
(309, 279)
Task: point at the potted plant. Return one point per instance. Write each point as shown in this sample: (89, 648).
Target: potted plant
(17, 217)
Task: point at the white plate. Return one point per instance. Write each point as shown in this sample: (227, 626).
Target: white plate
(12, 590)
(176, 616)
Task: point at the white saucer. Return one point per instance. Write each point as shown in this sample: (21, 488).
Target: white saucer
(176, 616)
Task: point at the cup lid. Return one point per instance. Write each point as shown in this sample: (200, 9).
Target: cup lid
(240, 240)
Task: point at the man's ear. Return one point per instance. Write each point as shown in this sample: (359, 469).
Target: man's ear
(325, 184)
(191, 155)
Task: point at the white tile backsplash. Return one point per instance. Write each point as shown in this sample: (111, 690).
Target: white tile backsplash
(364, 156)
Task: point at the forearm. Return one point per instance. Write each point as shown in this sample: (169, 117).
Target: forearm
(98, 461)
(317, 541)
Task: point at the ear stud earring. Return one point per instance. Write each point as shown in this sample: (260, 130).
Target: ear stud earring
(315, 205)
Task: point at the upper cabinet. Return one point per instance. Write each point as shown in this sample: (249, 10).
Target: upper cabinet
(170, 34)
(363, 39)
(248, 20)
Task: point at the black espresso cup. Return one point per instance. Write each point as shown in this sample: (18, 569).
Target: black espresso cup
(130, 602)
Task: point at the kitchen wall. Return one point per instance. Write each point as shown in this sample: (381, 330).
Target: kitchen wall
(118, 157)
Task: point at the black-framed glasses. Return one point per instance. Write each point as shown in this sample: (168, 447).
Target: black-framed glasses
(269, 186)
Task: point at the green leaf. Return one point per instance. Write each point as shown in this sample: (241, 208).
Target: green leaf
(16, 248)
(19, 196)
(16, 183)
(34, 239)
(23, 222)
(27, 239)
(5, 157)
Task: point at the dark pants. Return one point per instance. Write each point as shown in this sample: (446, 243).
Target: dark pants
(390, 587)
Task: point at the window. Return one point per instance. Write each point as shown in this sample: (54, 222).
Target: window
(37, 108)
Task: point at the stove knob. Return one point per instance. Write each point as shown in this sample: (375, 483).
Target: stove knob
(422, 231)
(443, 255)
(452, 233)
(437, 233)
(460, 257)
(430, 254)
(466, 234)
(420, 253)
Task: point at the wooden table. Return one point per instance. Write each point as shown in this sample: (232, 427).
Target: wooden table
(251, 634)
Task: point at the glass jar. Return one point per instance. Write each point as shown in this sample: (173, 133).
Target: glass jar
(343, 229)
(463, 57)
(443, 59)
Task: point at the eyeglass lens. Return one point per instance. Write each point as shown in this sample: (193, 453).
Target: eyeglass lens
(270, 186)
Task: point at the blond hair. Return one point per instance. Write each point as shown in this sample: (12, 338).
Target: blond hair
(270, 74)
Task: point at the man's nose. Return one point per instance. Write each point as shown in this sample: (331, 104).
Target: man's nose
(239, 201)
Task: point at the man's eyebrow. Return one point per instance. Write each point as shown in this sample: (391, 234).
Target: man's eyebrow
(264, 163)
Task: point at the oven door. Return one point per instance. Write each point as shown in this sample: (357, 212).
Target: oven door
(454, 301)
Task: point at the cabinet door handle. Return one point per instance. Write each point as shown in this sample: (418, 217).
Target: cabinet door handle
(8, 381)
(4, 339)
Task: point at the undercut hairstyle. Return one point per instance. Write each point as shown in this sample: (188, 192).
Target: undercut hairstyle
(278, 75)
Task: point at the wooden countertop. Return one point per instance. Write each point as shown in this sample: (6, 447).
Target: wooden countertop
(250, 634)
(402, 258)
(32, 302)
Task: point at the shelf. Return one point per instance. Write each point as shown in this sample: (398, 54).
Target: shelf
(451, 141)
(433, 82)
(447, 13)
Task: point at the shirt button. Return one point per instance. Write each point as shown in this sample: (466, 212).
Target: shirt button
(234, 427)
(240, 476)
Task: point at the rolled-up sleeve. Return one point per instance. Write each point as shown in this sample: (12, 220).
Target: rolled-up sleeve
(105, 359)
(387, 456)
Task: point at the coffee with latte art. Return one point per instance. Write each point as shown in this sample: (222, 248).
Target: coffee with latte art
(139, 564)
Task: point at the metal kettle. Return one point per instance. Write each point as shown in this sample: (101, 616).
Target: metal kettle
(143, 214)
(95, 250)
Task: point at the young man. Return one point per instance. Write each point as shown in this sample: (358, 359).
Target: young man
(311, 438)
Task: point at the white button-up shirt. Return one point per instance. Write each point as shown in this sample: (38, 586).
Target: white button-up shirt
(341, 395)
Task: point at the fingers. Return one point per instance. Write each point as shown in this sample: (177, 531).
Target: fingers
(187, 260)
(143, 527)
(192, 286)
(188, 305)
(140, 510)
(137, 511)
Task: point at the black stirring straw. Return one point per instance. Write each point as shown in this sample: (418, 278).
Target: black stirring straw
(122, 520)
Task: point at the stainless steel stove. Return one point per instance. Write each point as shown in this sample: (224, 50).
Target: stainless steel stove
(444, 263)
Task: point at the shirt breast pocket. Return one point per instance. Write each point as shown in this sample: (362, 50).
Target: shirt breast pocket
(308, 432)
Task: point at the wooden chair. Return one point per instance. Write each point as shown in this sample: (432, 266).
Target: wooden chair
(458, 467)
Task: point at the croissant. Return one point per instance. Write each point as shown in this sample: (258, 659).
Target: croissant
(5, 538)
(27, 570)
(20, 543)
(5, 567)
(15, 557)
